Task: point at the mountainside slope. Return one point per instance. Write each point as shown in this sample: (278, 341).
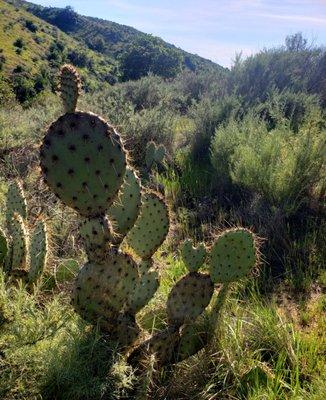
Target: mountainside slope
(31, 48)
(119, 41)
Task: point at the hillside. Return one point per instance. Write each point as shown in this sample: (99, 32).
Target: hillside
(31, 51)
(138, 53)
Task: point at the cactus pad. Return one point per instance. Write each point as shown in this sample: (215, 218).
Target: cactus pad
(189, 298)
(150, 154)
(146, 288)
(159, 153)
(19, 242)
(102, 289)
(162, 345)
(97, 234)
(124, 212)
(83, 162)
(193, 338)
(38, 252)
(151, 227)
(69, 87)
(154, 154)
(16, 201)
(233, 255)
(3, 248)
(124, 330)
(193, 257)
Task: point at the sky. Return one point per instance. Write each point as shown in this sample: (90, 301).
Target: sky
(214, 29)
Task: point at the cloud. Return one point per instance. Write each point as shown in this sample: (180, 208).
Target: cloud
(299, 18)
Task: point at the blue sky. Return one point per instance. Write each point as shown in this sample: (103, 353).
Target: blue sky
(215, 29)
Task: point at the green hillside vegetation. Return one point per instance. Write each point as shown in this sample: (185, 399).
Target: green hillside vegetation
(243, 148)
(137, 52)
(31, 51)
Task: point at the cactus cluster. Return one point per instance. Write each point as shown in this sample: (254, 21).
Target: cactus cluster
(85, 164)
(23, 251)
(190, 323)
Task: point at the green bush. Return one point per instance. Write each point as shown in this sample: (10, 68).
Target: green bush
(31, 26)
(280, 164)
(19, 43)
(207, 116)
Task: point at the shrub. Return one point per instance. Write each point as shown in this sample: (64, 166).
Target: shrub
(19, 43)
(294, 107)
(279, 164)
(31, 26)
(80, 59)
(6, 94)
(208, 115)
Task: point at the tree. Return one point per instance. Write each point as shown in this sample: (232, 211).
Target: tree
(146, 55)
(296, 42)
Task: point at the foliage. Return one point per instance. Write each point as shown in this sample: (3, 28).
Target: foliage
(282, 165)
(149, 55)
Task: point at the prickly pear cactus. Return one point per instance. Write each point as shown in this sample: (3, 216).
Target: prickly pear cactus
(83, 161)
(150, 154)
(3, 248)
(154, 154)
(16, 202)
(193, 338)
(23, 259)
(96, 233)
(124, 211)
(151, 227)
(104, 289)
(85, 164)
(69, 87)
(193, 257)
(146, 287)
(19, 242)
(38, 252)
(233, 255)
(189, 298)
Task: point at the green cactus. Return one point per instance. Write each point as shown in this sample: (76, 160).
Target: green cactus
(193, 338)
(19, 243)
(96, 233)
(154, 154)
(193, 257)
(124, 211)
(22, 260)
(38, 252)
(233, 255)
(150, 154)
(85, 164)
(146, 287)
(151, 227)
(3, 248)
(102, 290)
(189, 298)
(69, 87)
(16, 202)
